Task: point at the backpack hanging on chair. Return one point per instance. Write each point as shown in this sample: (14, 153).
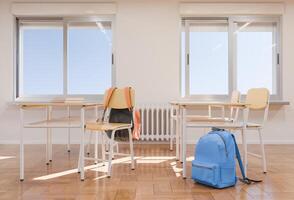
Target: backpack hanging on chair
(127, 115)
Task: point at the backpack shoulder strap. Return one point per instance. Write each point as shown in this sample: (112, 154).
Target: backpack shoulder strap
(238, 155)
(109, 94)
(128, 97)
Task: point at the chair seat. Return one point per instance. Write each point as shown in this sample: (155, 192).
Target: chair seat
(206, 118)
(100, 126)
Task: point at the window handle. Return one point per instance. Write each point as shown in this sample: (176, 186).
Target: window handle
(112, 59)
(188, 59)
(278, 58)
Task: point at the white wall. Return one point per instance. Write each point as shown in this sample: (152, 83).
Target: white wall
(147, 57)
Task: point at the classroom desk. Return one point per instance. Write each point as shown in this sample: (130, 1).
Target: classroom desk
(50, 122)
(182, 123)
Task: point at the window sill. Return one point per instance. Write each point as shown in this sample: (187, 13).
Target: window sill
(280, 103)
(272, 102)
(58, 98)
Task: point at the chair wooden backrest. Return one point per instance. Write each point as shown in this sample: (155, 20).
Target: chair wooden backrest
(257, 98)
(118, 99)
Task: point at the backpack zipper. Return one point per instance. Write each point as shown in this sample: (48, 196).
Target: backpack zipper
(223, 142)
(201, 166)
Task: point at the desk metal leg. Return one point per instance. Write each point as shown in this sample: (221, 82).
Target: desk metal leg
(68, 130)
(89, 143)
(177, 139)
(244, 151)
(181, 133)
(96, 147)
(82, 149)
(243, 131)
(184, 146)
(96, 137)
(79, 161)
(21, 148)
(50, 134)
(47, 138)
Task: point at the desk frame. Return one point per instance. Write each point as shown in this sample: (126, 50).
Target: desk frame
(49, 124)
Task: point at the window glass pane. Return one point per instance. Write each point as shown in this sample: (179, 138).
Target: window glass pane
(89, 57)
(41, 59)
(255, 49)
(208, 58)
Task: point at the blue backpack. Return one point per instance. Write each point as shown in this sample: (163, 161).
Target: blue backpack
(215, 164)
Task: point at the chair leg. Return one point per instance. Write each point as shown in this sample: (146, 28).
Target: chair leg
(245, 156)
(131, 149)
(110, 153)
(79, 162)
(262, 151)
(107, 144)
(82, 155)
(103, 148)
(89, 143)
(113, 144)
(68, 140)
(96, 148)
(116, 147)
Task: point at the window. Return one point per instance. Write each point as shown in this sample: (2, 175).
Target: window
(256, 50)
(89, 57)
(220, 55)
(42, 59)
(64, 57)
(208, 54)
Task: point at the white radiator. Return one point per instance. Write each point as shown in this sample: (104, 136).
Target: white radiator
(155, 119)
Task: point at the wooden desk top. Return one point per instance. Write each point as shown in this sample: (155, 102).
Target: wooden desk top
(206, 103)
(58, 103)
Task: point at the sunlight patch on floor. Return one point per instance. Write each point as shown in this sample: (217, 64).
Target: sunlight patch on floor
(6, 157)
(176, 169)
(190, 158)
(64, 173)
(104, 168)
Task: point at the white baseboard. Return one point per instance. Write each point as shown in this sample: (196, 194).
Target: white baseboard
(255, 141)
(145, 142)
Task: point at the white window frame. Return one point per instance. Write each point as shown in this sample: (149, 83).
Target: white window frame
(232, 60)
(65, 22)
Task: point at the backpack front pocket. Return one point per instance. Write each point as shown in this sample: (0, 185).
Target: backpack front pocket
(206, 173)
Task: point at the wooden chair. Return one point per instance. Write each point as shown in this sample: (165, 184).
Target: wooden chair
(256, 99)
(117, 101)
